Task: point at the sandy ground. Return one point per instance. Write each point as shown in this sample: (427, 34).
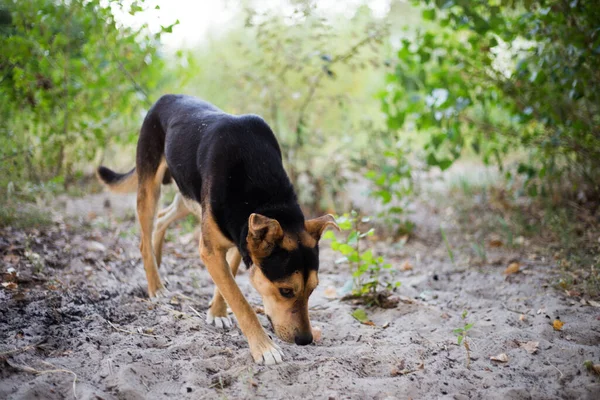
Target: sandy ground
(79, 308)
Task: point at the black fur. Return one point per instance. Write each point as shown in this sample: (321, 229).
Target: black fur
(233, 162)
(110, 177)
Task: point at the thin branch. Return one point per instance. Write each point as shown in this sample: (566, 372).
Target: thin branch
(130, 332)
(341, 57)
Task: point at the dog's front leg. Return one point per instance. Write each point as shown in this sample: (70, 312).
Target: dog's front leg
(261, 346)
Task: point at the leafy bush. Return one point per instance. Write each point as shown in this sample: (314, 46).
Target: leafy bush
(504, 77)
(71, 77)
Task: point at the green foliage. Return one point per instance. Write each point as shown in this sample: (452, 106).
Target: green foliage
(311, 78)
(501, 77)
(70, 78)
(370, 273)
(391, 179)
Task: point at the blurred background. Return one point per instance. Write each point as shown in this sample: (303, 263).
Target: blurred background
(377, 104)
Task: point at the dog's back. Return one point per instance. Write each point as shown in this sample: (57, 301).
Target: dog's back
(233, 162)
(229, 163)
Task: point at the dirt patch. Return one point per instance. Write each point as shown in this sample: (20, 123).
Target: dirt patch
(78, 304)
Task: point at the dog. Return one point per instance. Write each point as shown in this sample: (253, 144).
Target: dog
(229, 173)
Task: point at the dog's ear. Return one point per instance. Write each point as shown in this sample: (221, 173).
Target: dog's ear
(315, 227)
(263, 232)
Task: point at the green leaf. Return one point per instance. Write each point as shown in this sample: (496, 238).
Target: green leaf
(352, 238)
(370, 232)
(346, 249)
(328, 235)
(367, 256)
(360, 315)
(341, 260)
(429, 14)
(459, 339)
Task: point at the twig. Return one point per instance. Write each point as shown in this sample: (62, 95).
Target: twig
(559, 371)
(25, 368)
(20, 350)
(515, 311)
(194, 310)
(130, 332)
(169, 309)
(468, 349)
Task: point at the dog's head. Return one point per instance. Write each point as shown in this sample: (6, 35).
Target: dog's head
(285, 272)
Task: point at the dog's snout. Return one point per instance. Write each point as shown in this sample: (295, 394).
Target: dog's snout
(302, 339)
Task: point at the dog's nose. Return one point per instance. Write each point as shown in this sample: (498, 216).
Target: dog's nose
(302, 339)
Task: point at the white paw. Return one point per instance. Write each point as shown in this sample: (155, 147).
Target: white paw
(219, 322)
(160, 294)
(271, 356)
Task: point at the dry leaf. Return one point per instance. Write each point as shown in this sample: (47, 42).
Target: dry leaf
(95, 246)
(531, 347)
(513, 268)
(500, 357)
(406, 266)
(593, 303)
(317, 333)
(406, 299)
(495, 243)
(522, 318)
(10, 285)
(330, 292)
(557, 324)
(11, 259)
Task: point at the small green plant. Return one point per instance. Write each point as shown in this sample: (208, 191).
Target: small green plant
(369, 273)
(462, 336)
(448, 248)
(479, 250)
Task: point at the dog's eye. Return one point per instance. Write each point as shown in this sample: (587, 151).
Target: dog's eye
(288, 293)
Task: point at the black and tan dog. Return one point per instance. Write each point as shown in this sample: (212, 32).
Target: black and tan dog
(229, 173)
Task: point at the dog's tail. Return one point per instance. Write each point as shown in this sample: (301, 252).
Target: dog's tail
(124, 183)
(118, 183)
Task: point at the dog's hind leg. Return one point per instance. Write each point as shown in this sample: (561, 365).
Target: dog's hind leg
(217, 313)
(147, 202)
(175, 211)
(151, 168)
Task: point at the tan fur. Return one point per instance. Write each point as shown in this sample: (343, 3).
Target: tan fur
(213, 249)
(288, 316)
(218, 306)
(127, 185)
(263, 232)
(147, 201)
(315, 227)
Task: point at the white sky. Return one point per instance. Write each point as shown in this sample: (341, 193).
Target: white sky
(200, 19)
